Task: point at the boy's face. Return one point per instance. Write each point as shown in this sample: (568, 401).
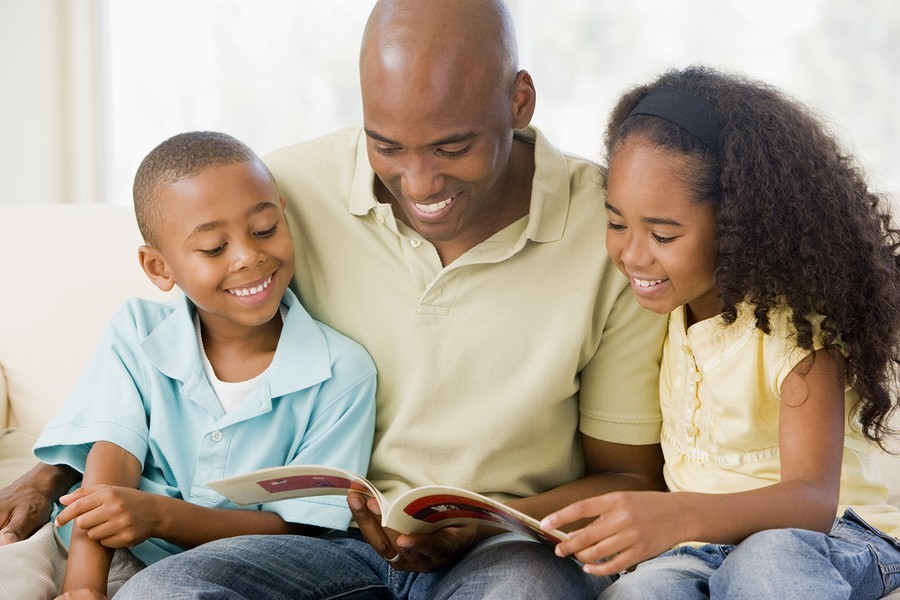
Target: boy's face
(224, 241)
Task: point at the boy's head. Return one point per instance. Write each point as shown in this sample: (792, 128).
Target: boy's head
(214, 225)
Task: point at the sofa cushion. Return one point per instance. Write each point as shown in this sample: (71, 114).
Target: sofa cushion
(15, 454)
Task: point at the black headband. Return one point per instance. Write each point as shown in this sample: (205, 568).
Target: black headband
(692, 113)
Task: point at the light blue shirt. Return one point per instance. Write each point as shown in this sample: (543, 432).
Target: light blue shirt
(146, 391)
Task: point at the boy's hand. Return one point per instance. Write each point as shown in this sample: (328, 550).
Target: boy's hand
(117, 517)
(421, 552)
(628, 527)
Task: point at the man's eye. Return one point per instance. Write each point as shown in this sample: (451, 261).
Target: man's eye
(386, 151)
(454, 153)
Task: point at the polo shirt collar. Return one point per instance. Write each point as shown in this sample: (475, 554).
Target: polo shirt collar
(549, 193)
(301, 359)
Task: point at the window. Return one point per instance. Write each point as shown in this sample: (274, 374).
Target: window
(281, 71)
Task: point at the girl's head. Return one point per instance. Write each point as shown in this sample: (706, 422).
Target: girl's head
(722, 190)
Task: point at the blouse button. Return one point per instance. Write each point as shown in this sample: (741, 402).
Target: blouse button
(216, 436)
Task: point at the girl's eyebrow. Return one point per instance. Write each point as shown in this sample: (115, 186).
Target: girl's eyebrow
(648, 220)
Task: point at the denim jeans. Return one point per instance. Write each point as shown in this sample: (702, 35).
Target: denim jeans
(342, 565)
(854, 561)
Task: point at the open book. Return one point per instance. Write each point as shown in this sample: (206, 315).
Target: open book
(422, 509)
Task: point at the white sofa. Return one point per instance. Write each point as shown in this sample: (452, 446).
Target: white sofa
(65, 270)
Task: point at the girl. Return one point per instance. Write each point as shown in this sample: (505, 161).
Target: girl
(731, 207)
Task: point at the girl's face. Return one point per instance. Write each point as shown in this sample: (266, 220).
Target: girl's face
(659, 236)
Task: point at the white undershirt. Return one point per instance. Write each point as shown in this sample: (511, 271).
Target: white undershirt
(230, 394)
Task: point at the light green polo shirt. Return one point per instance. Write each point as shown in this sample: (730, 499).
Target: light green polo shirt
(488, 367)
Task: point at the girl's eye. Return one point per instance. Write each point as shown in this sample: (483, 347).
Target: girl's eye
(213, 252)
(663, 240)
(268, 232)
(615, 226)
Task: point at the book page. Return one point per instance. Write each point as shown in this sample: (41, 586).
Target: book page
(291, 481)
(432, 507)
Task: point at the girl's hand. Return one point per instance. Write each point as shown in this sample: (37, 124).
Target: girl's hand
(628, 527)
(115, 516)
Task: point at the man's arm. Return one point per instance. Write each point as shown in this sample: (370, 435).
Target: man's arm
(609, 467)
(26, 503)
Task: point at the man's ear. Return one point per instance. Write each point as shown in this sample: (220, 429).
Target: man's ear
(154, 265)
(524, 99)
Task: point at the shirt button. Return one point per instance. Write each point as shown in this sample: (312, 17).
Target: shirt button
(380, 219)
(415, 243)
(216, 436)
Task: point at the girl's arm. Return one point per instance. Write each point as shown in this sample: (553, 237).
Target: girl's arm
(88, 562)
(630, 527)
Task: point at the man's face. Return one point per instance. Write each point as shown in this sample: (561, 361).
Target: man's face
(440, 146)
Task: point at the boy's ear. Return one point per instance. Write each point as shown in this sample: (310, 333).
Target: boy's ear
(154, 265)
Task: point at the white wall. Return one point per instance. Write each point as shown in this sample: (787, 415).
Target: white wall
(48, 106)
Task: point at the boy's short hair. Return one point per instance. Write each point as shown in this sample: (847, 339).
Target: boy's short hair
(182, 156)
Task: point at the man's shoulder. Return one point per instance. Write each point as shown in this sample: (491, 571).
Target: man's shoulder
(322, 148)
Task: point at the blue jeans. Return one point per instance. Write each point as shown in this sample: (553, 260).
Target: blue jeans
(342, 565)
(854, 561)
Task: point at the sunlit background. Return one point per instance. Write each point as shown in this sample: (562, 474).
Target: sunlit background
(123, 75)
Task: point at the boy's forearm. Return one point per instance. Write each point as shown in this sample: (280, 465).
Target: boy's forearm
(89, 561)
(189, 525)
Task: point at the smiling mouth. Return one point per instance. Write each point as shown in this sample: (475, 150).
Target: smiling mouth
(251, 291)
(433, 208)
(646, 283)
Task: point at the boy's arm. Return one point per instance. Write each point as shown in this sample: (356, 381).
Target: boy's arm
(25, 504)
(89, 560)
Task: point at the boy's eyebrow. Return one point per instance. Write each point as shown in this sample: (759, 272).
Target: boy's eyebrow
(455, 138)
(648, 220)
(260, 207)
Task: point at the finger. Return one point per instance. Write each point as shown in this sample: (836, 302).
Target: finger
(67, 499)
(369, 525)
(583, 509)
(8, 536)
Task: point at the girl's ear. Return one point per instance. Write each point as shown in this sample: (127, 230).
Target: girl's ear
(154, 265)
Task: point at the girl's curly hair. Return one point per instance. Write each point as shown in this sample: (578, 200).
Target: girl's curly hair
(797, 225)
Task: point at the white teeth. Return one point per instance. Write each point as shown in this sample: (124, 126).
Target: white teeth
(433, 208)
(253, 290)
(647, 282)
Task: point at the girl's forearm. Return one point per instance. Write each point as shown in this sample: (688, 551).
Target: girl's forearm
(730, 518)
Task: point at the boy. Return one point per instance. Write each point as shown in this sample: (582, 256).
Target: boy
(232, 377)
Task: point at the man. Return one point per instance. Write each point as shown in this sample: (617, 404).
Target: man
(466, 254)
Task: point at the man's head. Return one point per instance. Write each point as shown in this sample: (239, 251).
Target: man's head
(442, 96)
(214, 225)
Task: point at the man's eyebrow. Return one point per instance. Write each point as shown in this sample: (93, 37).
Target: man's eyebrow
(648, 220)
(455, 138)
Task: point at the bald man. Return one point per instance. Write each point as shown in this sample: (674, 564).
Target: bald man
(465, 252)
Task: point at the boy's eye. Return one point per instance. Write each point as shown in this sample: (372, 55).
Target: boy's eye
(213, 252)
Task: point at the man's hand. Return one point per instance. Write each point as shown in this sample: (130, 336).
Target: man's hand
(420, 552)
(26, 503)
(115, 516)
